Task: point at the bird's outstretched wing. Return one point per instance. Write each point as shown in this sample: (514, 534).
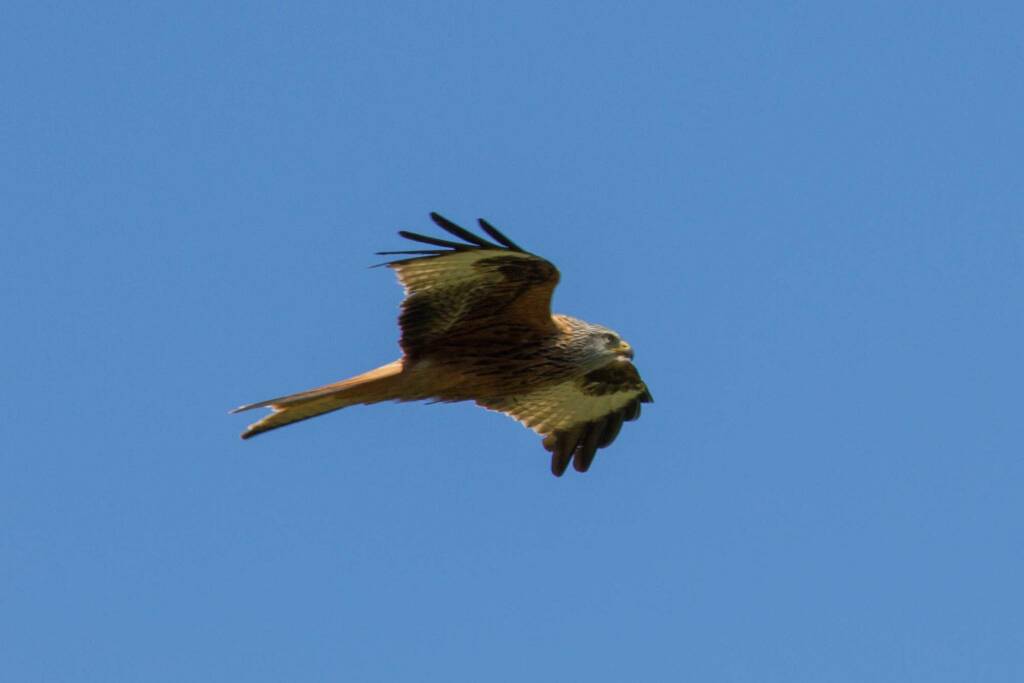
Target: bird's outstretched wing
(579, 416)
(472, 289)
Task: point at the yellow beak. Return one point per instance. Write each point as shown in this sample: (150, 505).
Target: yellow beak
(625, 350)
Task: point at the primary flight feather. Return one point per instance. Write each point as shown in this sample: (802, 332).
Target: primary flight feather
(477, 326)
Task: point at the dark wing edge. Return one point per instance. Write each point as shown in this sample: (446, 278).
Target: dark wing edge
(469, 241)
(580, 443)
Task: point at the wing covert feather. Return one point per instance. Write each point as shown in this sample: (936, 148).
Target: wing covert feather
(464, 287)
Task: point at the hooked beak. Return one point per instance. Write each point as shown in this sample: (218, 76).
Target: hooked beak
(625, 350)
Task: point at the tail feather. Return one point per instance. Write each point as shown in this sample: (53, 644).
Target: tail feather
(384, 383)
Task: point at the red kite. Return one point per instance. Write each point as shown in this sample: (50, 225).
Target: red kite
(477, 326)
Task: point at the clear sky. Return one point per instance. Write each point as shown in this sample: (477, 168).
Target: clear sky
(806, 218)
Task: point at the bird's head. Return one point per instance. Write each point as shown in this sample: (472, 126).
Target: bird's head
(596, 343)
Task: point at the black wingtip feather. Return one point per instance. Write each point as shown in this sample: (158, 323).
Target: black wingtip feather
(611, 428)
(587, 448)
(559, 464)
(470, 241)
(461, 232)
(416, 237)
(579, 445)
(564, 445)
(498, 235)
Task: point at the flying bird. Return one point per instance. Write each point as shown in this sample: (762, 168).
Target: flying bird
(476, 325)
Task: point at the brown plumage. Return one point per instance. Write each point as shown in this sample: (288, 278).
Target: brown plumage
(477, 326)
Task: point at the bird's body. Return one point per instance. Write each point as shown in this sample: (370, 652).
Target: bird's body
(477, 326)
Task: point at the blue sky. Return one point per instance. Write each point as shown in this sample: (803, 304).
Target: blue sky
(805, 217)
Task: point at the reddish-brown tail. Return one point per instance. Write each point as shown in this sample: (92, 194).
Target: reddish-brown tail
(383, 384)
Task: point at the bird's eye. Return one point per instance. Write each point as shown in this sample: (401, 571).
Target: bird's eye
(611, 339)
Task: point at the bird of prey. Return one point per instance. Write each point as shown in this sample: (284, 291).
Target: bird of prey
(476, 325)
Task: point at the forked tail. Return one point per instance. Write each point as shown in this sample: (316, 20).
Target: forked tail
(383, 384)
